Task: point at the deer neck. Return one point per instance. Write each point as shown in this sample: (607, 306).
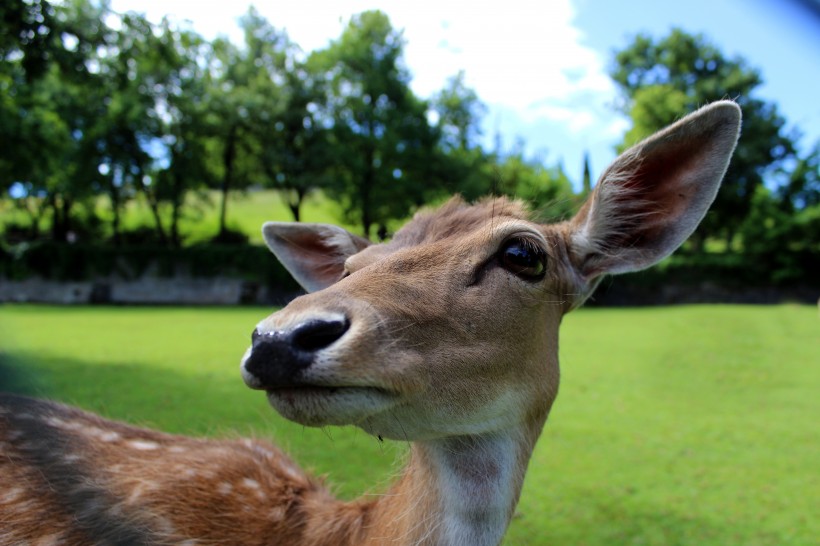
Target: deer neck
(453, 491)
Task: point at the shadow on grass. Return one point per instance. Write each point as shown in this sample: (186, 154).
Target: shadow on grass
(141, 394)
(16, 378)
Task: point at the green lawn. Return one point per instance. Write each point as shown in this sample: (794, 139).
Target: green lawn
(200, 221)
(674, 426)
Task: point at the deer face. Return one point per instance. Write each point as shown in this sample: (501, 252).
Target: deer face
(437, 333)
(452, 327)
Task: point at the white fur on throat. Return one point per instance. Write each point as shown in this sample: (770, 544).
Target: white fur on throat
(479, 482)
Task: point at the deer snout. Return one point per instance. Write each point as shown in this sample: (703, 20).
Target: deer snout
(278, 358)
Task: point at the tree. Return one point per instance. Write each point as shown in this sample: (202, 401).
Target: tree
(181, 104)
(53, 110)
(464, 166)
(662, 79)
(547, 190)
(129, 122)
(286, 140)
(29, 31)
(586, 183)
(297, 153)
(459, 112)
(802, 187)
(383, 141)
(246, 97)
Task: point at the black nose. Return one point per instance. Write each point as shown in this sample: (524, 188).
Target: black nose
(279, 358)
(317, 334)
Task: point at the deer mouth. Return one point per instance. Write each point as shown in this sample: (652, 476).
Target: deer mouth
(318, 405)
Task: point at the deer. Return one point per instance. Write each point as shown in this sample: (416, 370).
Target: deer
(445, 337)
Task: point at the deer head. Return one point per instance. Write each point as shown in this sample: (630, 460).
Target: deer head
(451, 328)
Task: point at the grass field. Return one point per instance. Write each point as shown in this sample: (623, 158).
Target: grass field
(200, 221)
(674, 426)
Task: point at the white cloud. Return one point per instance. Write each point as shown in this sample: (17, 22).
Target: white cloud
(517, 53)
(525, 59)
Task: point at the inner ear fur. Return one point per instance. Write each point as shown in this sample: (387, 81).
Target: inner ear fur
(652, 197)
(314, 254)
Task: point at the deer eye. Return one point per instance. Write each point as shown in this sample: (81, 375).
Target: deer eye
(523, 258)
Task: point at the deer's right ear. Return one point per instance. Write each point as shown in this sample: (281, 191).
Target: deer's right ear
(314, 254)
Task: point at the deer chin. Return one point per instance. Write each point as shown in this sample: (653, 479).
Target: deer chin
(315, 406)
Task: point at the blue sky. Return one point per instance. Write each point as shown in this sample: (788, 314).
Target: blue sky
(541, 67)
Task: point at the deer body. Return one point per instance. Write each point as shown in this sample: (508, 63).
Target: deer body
(445, 337)
(80, 479)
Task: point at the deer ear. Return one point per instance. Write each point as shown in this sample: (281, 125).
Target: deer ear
(655, 194)
(314, 254)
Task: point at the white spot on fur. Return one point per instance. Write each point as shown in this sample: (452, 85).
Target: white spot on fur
(54, 539)
(291, 472)
(143, 445)
(109, 436)
(277, 514)
(164, 525)
(189, 472)
(12, 494)
(71, 425)
(177, 449)
(224, 488)
(136, 493)
(250, 484)
(94, 432)
(261, 450)
(56, 422)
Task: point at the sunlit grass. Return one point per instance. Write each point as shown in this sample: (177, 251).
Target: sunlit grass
(674, 426)
(246, 212)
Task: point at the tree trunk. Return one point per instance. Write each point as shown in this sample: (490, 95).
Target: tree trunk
(114, 195)
(35, 209)
(365, 190)
(294, 211)
(730, 237)
(295, 204)
(153, 204)
(176, 206)
(61, 223)
(56, 223)
(698, 241)
(227, 180)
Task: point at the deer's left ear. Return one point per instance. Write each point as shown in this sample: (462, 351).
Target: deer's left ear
(314, 254)
(654, 195)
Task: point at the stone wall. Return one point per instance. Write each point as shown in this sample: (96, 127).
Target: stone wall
(188, 290)
(179, 290)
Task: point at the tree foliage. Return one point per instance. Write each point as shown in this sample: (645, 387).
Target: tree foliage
(382, 136)
(661, 79)
(99, 110)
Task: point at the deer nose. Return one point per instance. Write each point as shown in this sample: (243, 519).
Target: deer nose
(278, 359)
(315, 335)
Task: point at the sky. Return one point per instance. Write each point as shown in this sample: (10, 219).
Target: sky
(541, 66)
